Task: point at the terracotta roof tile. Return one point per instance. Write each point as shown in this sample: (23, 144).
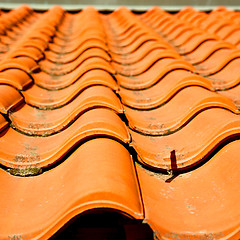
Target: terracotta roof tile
(16, 78)
(163, 120)
(3, 123)
(35, 121)
(9, 98)
(43, 151)
(163, 90)
(134, 113)
(201, 204)
(62, 68)
(107, 184)
(190, 144)
(43, 98)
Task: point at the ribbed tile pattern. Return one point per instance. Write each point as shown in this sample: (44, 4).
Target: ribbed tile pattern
(136, 113)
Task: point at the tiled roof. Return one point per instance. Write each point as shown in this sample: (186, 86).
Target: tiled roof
(137, 113)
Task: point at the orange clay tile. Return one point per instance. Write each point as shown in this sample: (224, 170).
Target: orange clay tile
(138, 55)
(218, 26)
(160, 21)
(185, 38)
(126, 42)
(36, 43)
(145, 63)
(227, 30)
(30, 52)
(153, 75)
(69, 40)
(202, 204)
(206, 50)
(209, 22)
(132, 32)
(211, 62)
(9, 98)
(234, 37)
(23, 63)
(195, 42)
(191, 144)
(163, 90)
(111, 185)
(46, 99)
(3, 123)
(53, 81)
(38, 122)
(223, 63)
(15, 78)
(63, 65)
(233, 94)
(65, 58)
(127, 37)
(164, 25)
(133, 47)
(228, 74)
(80, 35)
(179, 32)
(174, 29)
(228, 77)
(61, 69)
(177, 112)
(72, 46)
(43, 151)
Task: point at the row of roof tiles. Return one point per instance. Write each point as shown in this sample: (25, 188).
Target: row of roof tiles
(203, 42)
(64, 90)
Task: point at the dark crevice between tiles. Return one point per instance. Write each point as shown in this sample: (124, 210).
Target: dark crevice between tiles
(6, 116)
(169, 175)
(124, 118)
(30, 83)
(35, 171)
(123, 115)
(133, 154)
(104, 224)
(61, 22)
(106, 11)
(115, 79)
(36, 70)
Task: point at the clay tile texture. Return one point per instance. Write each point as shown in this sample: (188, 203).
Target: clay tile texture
(119, 125)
